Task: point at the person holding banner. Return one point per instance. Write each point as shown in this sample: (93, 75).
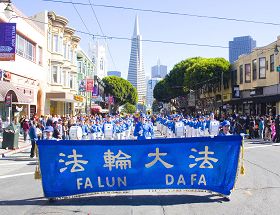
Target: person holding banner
(225, 128)
(143, 130)
(49, 133)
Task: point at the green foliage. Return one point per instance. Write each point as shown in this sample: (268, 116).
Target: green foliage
(191, 74)
(121, 89)
(129, 108)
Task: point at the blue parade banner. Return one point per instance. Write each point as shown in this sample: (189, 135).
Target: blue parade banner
(78, 167)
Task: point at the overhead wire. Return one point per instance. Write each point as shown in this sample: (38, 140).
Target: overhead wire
(106, 42)
(144, 40)
(168, 12)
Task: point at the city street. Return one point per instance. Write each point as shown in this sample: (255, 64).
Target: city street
(257, 192)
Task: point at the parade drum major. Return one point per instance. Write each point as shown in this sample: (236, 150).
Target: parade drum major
(179, 129)
(75, 133)
(108, 130)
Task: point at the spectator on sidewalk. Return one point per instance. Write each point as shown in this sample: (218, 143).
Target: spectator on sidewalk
(25, 127)
(261, 127)
(33, 137)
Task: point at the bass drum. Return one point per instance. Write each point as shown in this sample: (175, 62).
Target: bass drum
(75, 133)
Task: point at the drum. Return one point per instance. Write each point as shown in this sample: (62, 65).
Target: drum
(75, 133)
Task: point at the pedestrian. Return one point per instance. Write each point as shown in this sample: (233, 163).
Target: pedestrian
(267, 127)
(33, 137)
(277, 128)
(25, 127)
(56, 133)
(261, 127)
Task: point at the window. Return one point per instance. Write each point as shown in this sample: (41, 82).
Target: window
(60, 45)
(79, 67)
(49, 41)
(254, 63)
(54, 74)
(55, 43)
(271, 63)
(40, 56)
(71, 56)
(234, 77)
(248, 73)
(64, 78)
(71, 81)
(68, 53)
(262, 73)
(64, 51)
(241, 74)
(25, 48)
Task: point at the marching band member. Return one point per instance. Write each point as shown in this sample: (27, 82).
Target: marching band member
(108, 128)
(213, 126)
(85, 129)
(118, 130)
(143, 130)
(179, 127)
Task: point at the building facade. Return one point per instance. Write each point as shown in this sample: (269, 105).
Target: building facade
(159, 71)
(25, 77)
(97, 52)
(86, 70)
(257, 82)
(114, 73)
(62, 63)
(239, 46)
(136, 73)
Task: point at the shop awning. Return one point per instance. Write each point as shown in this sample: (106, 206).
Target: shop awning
(60, 97)
(18, 96)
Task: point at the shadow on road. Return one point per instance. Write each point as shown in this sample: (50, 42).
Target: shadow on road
(120, 200)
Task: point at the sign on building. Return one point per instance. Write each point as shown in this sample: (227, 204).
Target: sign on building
(89, 85)
(82, 86)
(7, 41)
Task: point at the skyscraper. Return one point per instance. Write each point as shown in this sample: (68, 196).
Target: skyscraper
(159, 71)
(150, 90)
(114, 73)
(136, 73)
(239, 46)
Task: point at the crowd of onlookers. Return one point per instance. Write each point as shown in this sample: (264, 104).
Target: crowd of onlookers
(264, 127)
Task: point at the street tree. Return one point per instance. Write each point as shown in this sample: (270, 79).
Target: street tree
(192, 74)
(129, 108)
(122, 91)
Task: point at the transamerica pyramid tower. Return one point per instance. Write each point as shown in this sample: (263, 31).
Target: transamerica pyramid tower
(136, 73)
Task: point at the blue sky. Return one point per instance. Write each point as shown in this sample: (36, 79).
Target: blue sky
(154, 26)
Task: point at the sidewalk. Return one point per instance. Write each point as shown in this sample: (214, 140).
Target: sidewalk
(21, 147)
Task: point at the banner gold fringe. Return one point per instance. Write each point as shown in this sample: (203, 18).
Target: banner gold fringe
(242, 168)
(37, 173)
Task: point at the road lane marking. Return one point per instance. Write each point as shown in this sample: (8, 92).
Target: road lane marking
(253, 147)
(16, 163)
(16, 175)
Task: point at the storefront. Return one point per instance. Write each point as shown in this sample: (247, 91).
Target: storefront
(18, 98)
(60, 103)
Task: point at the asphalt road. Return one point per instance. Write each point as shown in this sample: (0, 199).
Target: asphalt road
(258, 192)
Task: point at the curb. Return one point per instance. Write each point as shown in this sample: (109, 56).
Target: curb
(10, 151)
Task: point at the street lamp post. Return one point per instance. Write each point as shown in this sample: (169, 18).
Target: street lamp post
(222, 91)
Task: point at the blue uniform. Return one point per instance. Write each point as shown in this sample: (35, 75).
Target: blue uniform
(143, 131)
